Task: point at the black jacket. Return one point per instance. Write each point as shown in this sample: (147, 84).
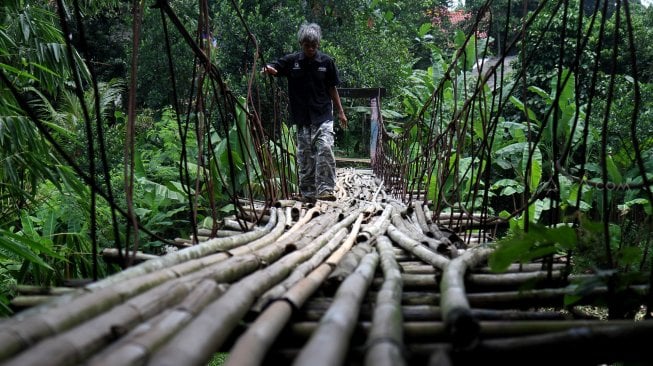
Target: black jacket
(309, 82)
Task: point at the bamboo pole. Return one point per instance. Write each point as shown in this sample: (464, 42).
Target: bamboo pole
(289, 216)
(416, 248)
(505, 281)
(496, 330)
(284, 203)
(310, 214)
(57, 321)
(263, 241)
(20, 332)
(435, 230)
(418, 211)
(328, 345)
(220, 233)
(314, 310)
(251, 347)
(237, 225)
(522, 267)
(23, 330)
(76, 344)
(574, 346)
(336, 257)
(418, 269)
(197, 251)
(112, 255)
(415, 280)
(38, 290)
(384, 344)
(28, 301)
(458, 318)
(542, 298)
(196, 343)
(299, 272)
(379, 226)
(347, 265)
(137, 346)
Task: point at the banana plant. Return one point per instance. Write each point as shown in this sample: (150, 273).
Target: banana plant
(531, 158)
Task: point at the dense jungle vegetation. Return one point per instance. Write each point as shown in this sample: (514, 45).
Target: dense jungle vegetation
(52, 224)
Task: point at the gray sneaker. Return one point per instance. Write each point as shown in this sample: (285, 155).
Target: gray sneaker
(326, 196)
(304, 199)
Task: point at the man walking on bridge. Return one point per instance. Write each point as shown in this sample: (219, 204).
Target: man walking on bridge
(312, 80)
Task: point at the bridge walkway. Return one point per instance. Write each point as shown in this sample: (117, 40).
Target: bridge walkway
(362, 280)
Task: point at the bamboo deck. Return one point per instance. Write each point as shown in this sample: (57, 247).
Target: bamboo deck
(363, 280)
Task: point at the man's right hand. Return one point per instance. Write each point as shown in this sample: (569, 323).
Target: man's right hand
(267, 69)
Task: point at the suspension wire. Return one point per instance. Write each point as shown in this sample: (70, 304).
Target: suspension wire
(203, 33)
(87, 125)
(256, 126)
(129, 153)
(102, 147)
(604, 141)
(241, 137)
(442, 131)
(96, 189)
(100, 139)
(636, 146)
(459, 125)
(607, 210)
(560, 85)
(43, 129)
(72, 163)
(488, 123)
(279, 153)
(184, 174)
(265, 155)
(437, 94)
(227, 101)
(264, 164)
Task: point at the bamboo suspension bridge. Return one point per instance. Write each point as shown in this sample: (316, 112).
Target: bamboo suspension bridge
(365, 279)
(400, 269)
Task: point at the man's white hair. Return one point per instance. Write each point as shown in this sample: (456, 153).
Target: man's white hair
(309, 32)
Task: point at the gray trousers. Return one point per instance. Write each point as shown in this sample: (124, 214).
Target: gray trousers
(317, 163)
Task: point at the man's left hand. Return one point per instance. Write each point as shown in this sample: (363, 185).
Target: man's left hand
(343, 119)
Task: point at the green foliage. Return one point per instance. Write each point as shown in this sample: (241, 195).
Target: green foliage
(32, 47)
(154, 79)
(44, 216)
(467, 58)
(368, 41)
(107, 26)
(273, 24)
(7, 283)
(32, 57)
(619, 62)
(545, 49)
(161, 144)
(234, 167)
(531, 161)
(627, 304)
(218, 359)
(502, 21)
(629, 266)
(24, 247)
(52, 243)
(525, 246)
(160, 195)
(39, 231)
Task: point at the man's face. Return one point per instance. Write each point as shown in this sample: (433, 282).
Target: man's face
(310, 48)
